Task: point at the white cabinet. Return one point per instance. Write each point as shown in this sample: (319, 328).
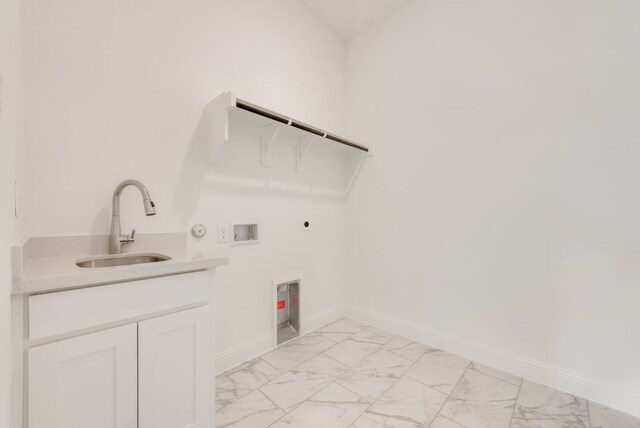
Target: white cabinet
(140, 355)
(87, 381)
(174, 371)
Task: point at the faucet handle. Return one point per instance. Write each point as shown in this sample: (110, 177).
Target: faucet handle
(127, 239)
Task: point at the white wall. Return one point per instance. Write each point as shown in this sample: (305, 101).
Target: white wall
(115, 90)
(10, 159)
(502, 207)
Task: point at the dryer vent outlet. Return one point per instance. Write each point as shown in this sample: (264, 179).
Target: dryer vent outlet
(287, 311)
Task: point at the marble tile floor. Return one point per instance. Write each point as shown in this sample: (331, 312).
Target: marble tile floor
(351, 375)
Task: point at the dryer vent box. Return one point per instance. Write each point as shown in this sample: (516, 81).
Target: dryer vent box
(287, 311)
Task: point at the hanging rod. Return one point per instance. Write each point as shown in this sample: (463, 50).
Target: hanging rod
(245, 105)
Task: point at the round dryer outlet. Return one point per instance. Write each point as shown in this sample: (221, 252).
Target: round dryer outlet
(198, 230)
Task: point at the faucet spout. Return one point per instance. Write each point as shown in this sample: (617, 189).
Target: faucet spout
(116, 238)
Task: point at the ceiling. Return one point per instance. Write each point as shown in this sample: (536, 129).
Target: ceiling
(349, 18)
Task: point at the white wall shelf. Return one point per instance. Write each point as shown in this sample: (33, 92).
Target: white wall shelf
(226, 105)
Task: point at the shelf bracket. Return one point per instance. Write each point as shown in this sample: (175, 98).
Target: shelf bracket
(213, 129)
(356, 173)
(302, 151)
(272, 131)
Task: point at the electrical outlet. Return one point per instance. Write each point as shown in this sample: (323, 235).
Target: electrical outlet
(306, 224)
(223, 234)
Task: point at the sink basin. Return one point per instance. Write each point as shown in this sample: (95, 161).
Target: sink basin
(121, 260)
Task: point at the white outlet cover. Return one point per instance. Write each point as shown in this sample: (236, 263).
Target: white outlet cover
(223, 234)
(305, 224)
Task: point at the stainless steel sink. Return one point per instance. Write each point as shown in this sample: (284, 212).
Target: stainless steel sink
(121, 260)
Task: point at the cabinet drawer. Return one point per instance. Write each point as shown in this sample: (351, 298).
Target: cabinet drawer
(66, 311)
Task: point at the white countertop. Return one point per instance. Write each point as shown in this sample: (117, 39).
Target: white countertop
(48, 264)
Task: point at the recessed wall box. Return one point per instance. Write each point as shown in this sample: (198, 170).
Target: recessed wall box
(245, 233)
(287, 322)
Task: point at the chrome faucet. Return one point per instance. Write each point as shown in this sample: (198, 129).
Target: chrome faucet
(117, 239)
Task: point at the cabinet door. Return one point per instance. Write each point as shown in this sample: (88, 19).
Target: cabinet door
(174, 370)
(87, 381)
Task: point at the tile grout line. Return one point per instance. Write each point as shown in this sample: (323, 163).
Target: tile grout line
(421, 382)
(413, 363)
(360, 415)
(299, 405)
(495, 377)
(513, 411)
(236, 399)
(317, 331)
(395, 381)
(339, 362)
(468, 368)
(272, 402)
(328, 338)
(260, 356)
(381, 347)
(348, 389)
(371, 404)
(385, 391)
(381, 395)
(257, 357)
(449, 396)
(267, 363)
(296, 406)
(299, 364)
(378, 349)
(289, 343)
(519, 385)
(307, 359)
(269, 398)
(357, 362)
(254, 389)
(333, 380)
(265, 396)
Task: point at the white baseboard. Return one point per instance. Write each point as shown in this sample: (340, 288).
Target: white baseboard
(260, 345)
(611, 395)
(316, 321)
(246, 351)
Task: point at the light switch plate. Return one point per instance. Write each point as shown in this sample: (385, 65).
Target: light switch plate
(223, 234)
